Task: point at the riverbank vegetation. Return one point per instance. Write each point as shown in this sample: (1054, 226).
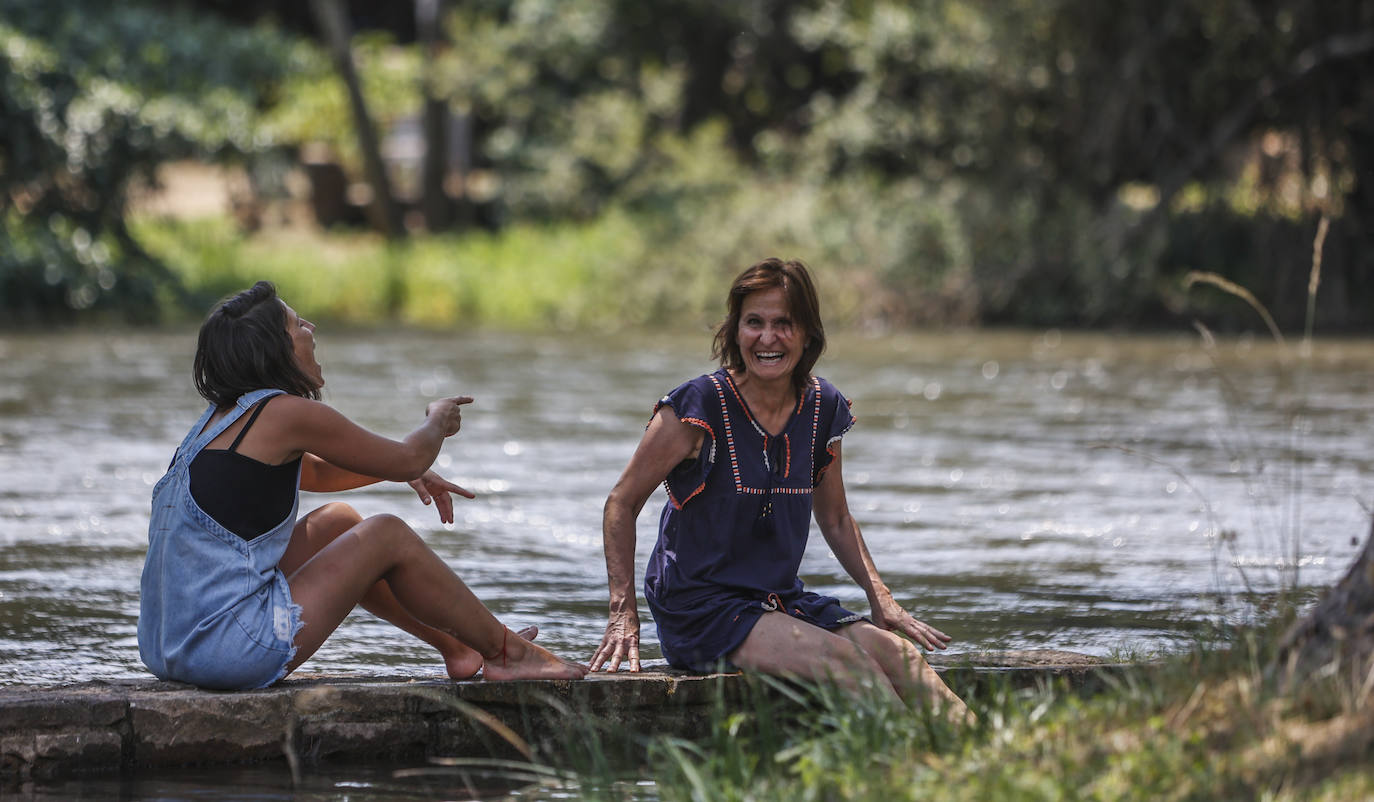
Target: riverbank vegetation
(622, 269)
(1215, 723)
(1050, 163)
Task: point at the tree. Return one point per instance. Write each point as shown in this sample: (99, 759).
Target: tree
(1338, 634)
(93, 97)
(333, 21)
(434, 201)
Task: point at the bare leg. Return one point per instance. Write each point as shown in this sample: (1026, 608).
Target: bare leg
(318, 529)
(422, 588)
(906, 668)
(782, 645)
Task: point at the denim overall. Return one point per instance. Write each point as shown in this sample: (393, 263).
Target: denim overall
(215, 609)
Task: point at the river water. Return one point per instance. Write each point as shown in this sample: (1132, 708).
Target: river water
(1099, 493)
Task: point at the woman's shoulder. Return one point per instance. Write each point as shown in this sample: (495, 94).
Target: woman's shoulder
(694, 398)
(294, 410)
(705, 383)
(826, 389)
(252, 398)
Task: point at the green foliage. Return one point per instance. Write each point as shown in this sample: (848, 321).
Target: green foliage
(313, 104)
(528, 276)
(981, 155)
(623, 269)
(61, 270)
(1198, 726)
(1060, 162)
(93, 97)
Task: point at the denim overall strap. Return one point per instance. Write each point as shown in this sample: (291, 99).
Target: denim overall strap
(204, 438)
(179, 456)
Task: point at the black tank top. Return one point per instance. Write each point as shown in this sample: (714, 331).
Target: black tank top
(247, 497)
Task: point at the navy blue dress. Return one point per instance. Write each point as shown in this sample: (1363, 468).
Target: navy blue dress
(734, 529)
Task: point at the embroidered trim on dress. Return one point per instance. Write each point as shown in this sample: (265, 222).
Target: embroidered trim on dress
(730, 435)
(711, 460)
(829, 449)
(729, 432)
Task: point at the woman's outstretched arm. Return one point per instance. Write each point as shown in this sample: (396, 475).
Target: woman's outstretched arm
(666, 442)
(293, 426)
(842, 534)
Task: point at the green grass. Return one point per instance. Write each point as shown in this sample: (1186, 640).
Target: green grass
(665, 265)
(1206, 725)
(561, 276)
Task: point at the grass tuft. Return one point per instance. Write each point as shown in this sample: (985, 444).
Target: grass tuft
(1202, 725)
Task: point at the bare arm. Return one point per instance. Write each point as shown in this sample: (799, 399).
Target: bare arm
(319, 476)
(842, 534)
(293, 426)
(332, 438)
(666, 442)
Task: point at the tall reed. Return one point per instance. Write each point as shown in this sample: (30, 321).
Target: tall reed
(1282, 488)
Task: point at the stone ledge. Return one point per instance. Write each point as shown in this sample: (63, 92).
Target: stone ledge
(138, 726)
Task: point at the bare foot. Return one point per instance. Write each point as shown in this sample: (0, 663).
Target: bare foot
(521, 659)
(462, 662)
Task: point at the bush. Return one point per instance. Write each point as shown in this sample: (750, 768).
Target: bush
(93, 96)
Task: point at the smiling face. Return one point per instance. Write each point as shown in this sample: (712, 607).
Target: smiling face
(302, 334)
(770, 341)
(772, 324)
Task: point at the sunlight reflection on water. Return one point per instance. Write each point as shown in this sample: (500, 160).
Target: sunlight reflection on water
(1018, 489)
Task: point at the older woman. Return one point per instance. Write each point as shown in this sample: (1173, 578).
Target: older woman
(746, 453)
(236, 593)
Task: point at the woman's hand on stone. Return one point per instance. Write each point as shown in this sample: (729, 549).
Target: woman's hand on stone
(448, 413)
(891, 616)
(431, 487)
(620, 642)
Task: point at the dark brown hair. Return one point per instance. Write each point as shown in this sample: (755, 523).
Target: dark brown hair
(244, 346)
(802, 304)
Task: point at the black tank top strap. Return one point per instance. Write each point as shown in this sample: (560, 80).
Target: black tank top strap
(257, 410)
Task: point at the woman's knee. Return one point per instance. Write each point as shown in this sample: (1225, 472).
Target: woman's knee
(900, 650)
(842, 655)
(387, 531)
(316, 531)
(901, 659)
(883, 644)
(337, 516)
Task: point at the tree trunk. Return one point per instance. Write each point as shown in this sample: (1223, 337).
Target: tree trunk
(332, 18)
(434, 202)
(1339, 630)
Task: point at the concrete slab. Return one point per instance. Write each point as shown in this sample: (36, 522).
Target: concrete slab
(140, 726)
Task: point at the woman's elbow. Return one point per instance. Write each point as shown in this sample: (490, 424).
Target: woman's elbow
(619, 506)
(612, 509)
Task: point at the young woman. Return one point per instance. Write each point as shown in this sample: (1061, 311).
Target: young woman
(746, 454)
(237, 593)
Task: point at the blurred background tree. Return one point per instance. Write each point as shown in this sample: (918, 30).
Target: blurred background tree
(1048, 162)
(93, 96)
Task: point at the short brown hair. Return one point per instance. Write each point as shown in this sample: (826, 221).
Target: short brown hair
(803, 305)
(243, 346)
